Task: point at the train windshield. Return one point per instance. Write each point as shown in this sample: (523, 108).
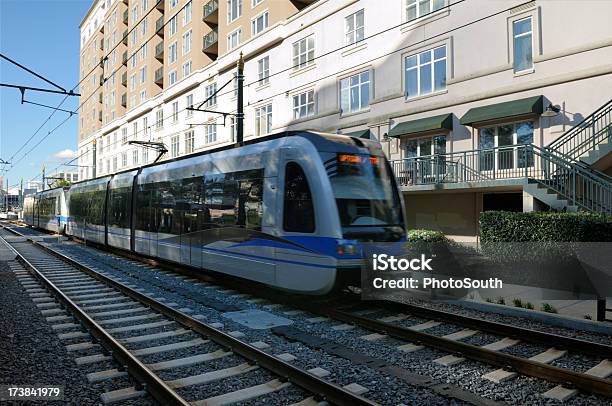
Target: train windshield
(365, 193)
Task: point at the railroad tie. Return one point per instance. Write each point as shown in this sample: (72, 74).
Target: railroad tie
(449, 360)
(561, 393)
(546, 357)
(121, 395)
(243, 394)
(424, 326)
(212, 376)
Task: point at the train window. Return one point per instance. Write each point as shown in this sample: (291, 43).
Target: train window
(298, 212)
(119, 206)
(144, 211)
(234, 199)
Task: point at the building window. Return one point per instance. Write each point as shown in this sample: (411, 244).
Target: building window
(232, 128)
(234, 10)
(419, 8)
(189, 142)
(355, 93)
(188, 13)
(187, 42)
(210, 133)
(522, 44)
(303, 105)
(174, 146)
(143, 52)
(354, 28)
(159, 119)
(145, 125)
(143, 74)
(135, 129)
(172, 53)
(189, 103)
(123, 136)
(303, 52)
(173, 3)
(124, 159)
(108, 167)
(172, 77)
(421, 147)
(263, 70)
(233, 39)
(133, 82)
(144, 26)
(114, 164)
(145, 156)
(172, 25)
(263, 120)
(499, 149)
(426, 72)
(209, 94)
(134, 157)
(175, 112)
(255, 2)
(143, 96)
(187, 69)
(259, 23)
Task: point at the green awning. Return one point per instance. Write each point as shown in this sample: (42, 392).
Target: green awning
(514, 108)
(359, 134)
(442, 122)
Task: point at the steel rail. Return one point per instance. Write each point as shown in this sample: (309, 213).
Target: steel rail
(153, 384)
(306, 380)
(502, 329)
(524, 366)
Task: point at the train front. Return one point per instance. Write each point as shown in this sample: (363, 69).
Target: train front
(369, 204)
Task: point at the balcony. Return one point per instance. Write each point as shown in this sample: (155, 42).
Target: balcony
(125, 17)
(211, 12)
(124, 39)
(126, 2)
(124, 58)
(102, 44)
(100, 98)
(159, 51)
(101, 79)
(160, 5)
(210, 43)
(101, 28)
(124, 79)
(159, 77)
(100, 116)
(159, 26)
(124, 100)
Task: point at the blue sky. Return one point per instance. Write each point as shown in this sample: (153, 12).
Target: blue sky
(44, 36)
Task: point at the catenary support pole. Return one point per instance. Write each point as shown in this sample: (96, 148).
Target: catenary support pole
(240, 107)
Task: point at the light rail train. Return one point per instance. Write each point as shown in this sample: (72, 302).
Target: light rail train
(289, 210)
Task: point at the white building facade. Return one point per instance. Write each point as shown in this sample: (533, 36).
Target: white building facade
(423, 77)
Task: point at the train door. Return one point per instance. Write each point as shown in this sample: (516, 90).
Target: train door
(143, 218)
(191, 209)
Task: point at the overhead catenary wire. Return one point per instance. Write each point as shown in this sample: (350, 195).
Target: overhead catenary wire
(87, 75)
(362, 62)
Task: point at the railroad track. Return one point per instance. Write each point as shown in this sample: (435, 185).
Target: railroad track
(415, 336)
(76, 298)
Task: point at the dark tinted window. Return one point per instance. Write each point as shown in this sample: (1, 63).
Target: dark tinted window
(298, 214)
(119, 206)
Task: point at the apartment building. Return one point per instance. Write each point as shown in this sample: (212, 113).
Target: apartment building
(455, 92)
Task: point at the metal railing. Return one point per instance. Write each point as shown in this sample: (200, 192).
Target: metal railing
(159, 25)
(210, 39)
(577, 185)
(209, 8)
(159, 50)
(159, 75)
(586, 135)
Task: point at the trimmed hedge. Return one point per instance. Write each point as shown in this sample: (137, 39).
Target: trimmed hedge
(503, 226)
(425, 236)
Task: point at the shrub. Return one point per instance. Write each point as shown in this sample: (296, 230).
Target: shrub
(548, 308)
(529, 306)
(502, 226)
(427, 236)
(517, 303)
(501, 300)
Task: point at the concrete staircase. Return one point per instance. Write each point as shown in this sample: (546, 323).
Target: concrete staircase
(548, 196)
(599, 158)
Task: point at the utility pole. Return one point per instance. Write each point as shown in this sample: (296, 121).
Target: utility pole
(240, 107)
(44, 178)
(7, 199)
(21, 194)
(94, 157)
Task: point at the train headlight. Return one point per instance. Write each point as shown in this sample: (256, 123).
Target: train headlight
(347, 247)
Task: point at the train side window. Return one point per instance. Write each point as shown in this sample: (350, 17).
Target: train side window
(298, 213)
